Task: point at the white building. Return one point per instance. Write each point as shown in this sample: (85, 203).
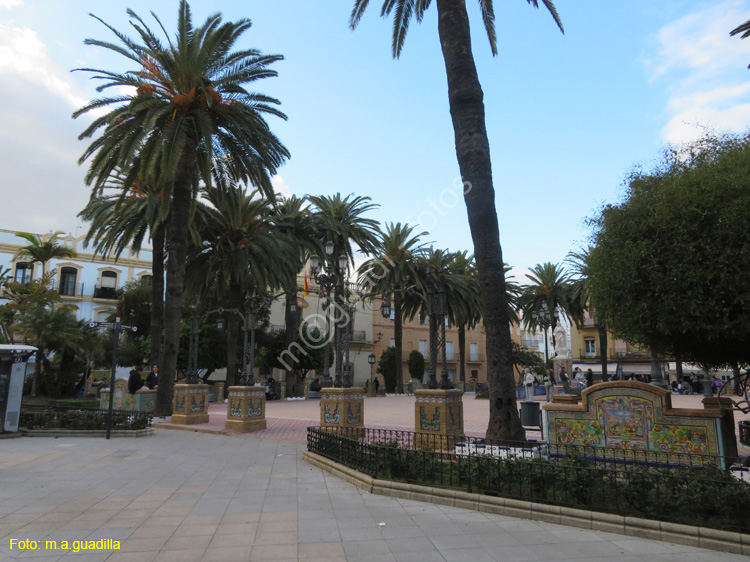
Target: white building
(90, 283)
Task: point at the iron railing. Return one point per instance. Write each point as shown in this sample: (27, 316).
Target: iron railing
(690, 489)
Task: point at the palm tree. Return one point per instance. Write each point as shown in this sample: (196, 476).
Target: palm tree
(470, 314)
(581, 301)
(341, 222)
(42, 249)
(473, 153)
(124, 219)
(550, 292)
(240, 253)
(184, 109)
(49, 328)
(293, 217)
(393, 272)
(434, 275)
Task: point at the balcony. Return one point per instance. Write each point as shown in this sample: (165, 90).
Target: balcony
(476, 358)
(107, 293)
(529, 343)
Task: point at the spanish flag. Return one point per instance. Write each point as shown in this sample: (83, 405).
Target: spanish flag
(307, 288)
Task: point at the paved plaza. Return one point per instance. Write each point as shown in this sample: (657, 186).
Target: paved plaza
(188, 496)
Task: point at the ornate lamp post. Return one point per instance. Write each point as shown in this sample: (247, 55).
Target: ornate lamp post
(543, 319)
(334, 283)
(371, 388)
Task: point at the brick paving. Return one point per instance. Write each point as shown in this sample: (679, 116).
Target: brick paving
(179, 496)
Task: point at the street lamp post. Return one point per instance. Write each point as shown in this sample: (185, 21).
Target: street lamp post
(333, 282)
(371, 388)
(543, 319)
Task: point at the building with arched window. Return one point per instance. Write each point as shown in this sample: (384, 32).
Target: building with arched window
(92, 283)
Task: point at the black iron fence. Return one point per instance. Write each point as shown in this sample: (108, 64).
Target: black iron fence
(62, 417)
(690, 489)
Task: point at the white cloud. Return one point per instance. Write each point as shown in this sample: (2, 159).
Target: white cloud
(280, 186)
(10, 4)
(22, 53)
(707, 70)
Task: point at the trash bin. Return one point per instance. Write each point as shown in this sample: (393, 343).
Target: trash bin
(531, 414)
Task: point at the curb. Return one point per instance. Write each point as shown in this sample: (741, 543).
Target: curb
(702, 537)
(86, 432)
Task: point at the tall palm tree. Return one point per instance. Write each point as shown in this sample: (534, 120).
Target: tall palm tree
(433, 274)
(473, 153)
(341, 221)
(293, 217)
(581, 300)
(43, 248)
(392, 272)
(185, 107)
(240, 253)
(124, 217)
(470, 313)
(550, 290)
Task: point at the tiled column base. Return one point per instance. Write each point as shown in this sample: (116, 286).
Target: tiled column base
(246, 408)
(438, 417)
(342, 408)
(190, 404)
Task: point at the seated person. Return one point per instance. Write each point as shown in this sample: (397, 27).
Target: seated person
(135, 382)
(152, 379)
(271, 390)
(315, 385)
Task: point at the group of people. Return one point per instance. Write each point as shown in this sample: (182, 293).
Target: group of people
(136, 382)
(580, 379)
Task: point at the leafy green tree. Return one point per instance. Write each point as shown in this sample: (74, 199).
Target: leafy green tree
(392, 272)
(466, 102)
(22, 297)
(669, 265)
(524, 358)
(185, 108)
(43, 248)
(415, 363)
(387, 368)
(271, 353)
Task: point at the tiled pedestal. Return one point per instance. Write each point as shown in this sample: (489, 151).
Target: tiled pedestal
(246, 408)
(190, 404)
(342, 408)
(438, 417)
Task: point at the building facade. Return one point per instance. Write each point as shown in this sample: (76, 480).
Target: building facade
(90, 283)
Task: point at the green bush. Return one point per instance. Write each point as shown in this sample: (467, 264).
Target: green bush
(89, 403)
(81, 419)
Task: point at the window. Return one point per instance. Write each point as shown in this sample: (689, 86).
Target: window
(449, 351)
(590, 344)
(109, 279)
(68, 281)
(24, 272)
(393, 342)
(104, 315)
(423, 347)
(473, 352)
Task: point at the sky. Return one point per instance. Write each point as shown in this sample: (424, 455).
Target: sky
(568, 116)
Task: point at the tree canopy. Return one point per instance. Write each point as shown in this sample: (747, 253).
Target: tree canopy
(670, 263)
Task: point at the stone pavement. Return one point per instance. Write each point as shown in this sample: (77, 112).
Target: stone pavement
(187, 497)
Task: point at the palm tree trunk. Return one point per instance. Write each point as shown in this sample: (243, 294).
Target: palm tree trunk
(157, 293)
(603, 350)
(177, 232)
(462, 353)
(398, 336)
(473, 153)
(233, 320)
